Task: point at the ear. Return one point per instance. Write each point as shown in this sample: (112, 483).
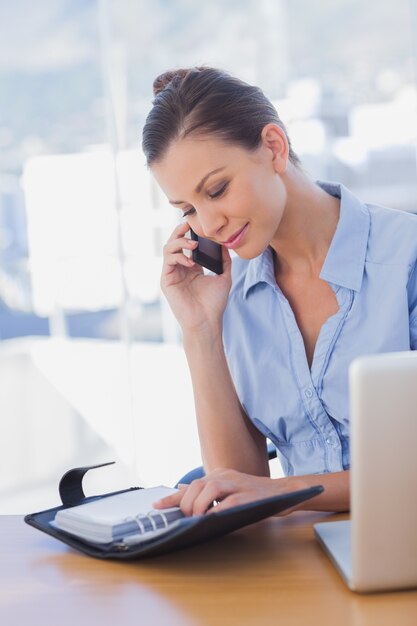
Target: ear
(275, 140)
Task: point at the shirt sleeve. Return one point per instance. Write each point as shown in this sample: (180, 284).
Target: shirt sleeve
(412, 303)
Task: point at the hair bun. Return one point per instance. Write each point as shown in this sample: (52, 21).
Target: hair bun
(163, 80)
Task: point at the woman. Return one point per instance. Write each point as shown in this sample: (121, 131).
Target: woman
(319, 279)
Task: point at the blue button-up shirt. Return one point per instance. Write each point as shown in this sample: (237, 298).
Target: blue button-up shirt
(371, 266)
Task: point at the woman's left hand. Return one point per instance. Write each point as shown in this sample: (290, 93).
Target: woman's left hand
(227, 488)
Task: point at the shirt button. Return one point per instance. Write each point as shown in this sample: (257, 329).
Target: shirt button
(308, 393)
(328, 440)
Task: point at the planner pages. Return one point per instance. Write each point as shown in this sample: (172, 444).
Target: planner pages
(127, 516)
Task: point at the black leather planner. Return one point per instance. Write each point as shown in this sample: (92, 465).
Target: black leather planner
(186, 532)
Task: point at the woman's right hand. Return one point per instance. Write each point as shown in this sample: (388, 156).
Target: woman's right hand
(197, 300)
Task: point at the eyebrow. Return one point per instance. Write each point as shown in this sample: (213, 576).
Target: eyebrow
(200, 184)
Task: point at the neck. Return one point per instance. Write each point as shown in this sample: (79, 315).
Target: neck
(307, 227)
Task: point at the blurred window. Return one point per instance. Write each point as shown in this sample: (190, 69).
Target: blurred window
(82, 224)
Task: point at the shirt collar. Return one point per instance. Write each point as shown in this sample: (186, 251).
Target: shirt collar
(345, 260)
(260, 270)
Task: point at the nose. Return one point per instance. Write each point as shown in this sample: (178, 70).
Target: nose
(211, 222)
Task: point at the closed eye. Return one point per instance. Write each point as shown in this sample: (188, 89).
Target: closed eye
(213, 196)
(189, 212)
(219, 192)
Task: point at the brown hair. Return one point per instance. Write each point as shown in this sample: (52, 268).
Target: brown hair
(204, 100)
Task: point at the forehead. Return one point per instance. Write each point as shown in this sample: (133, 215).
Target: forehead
(187, 161)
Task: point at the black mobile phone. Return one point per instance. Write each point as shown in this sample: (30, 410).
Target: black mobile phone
(208, 254)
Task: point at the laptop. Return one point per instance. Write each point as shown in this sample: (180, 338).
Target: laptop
(377, 549)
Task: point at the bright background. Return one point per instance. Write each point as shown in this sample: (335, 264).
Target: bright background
(90, 356)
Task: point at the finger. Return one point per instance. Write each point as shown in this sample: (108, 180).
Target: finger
(227, 259)
(190, 496)
(211, 493)
(172, 260)
(179, 244)
(170, 501)
(174, 254)
(176, 259)
(227, 262)
(179, 230)
(235, 499)
(216, 486)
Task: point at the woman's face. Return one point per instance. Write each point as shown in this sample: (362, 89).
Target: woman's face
(227, 193)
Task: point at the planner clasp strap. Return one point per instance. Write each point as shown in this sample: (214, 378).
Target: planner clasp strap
(70, 485)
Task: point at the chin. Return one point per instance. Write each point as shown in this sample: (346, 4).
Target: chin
(248, 253)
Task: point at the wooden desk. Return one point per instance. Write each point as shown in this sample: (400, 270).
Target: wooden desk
(270, 573)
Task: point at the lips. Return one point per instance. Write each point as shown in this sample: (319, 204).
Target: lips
(235, 240)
